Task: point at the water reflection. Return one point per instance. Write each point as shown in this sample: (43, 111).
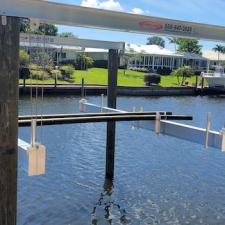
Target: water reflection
(108, 207)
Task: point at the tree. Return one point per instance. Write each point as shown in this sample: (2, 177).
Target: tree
(188, 45)
(155, 40)
(24, 26)
(183, 72)
(67, 34)
(23, 58)
(220, 49)
(47, 29)
(44, 28)
(41, 58)
(173, 41)
(84, 61)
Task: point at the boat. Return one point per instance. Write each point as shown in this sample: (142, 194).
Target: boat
(215, 79)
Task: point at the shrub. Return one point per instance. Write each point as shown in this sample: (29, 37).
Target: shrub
(40, 75)
(34, 67)
(41, 58)
(56, 73)
(67, 71)
(183, 72)
(164, 71)
(23, 58)
(151, 79)
(24, 73)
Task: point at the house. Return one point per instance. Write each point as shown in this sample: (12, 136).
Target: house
(151, 57)
(214, 58)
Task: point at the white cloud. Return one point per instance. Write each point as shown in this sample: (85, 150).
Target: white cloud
(139, 11)
(107, 4)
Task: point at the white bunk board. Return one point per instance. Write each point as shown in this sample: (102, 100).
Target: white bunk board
(173, 129)
(31, 158)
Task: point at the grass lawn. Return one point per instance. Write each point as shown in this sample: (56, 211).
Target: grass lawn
(98, 76)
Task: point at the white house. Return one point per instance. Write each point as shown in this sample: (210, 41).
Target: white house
(152, 57)
(213, 57)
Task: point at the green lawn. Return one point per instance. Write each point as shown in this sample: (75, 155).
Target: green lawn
(99, 76)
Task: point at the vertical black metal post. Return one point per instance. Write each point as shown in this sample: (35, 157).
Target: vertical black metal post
(111, 126)
(202, 86)
(55, 81)
(196, 82)
(82, 88)
(9, 58)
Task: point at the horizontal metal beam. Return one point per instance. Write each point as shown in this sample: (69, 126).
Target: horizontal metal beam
(29, 117)
(64, 41)
(100, 118)
(104, 19)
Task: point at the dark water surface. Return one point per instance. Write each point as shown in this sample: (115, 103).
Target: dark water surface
(158, 180)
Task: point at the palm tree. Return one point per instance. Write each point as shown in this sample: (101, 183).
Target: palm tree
(219, 49)
(173, 41)
(155, 40)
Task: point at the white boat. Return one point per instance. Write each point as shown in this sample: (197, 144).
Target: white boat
(215, 79)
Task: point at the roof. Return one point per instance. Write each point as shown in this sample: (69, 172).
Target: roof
(212, 55)
(149, 50)
(53, 46)
(96, 50)
(188, 55)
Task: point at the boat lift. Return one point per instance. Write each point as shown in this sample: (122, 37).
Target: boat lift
(45, 11)
(74, 15)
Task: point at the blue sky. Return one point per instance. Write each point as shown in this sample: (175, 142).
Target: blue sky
(205, 11)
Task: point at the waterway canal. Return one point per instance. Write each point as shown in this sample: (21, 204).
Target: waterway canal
(158, 180)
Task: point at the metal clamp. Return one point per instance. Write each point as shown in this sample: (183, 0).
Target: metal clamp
(157, 123)
(208, 127)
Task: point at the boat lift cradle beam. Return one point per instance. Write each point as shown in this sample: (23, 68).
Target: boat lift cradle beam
(100, 117)
(181, 131)
(64, 14)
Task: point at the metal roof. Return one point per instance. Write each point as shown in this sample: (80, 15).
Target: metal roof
(212, 55)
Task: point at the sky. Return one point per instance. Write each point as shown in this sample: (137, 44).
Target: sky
(203, 11)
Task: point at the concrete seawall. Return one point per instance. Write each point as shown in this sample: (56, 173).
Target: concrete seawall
(98, 90)
(122, 91)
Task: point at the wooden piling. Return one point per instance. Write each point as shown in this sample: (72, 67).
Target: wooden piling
(111, 126)
(9, 58)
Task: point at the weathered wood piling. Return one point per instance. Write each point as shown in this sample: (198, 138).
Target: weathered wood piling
(9, 57)
(111, 126)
